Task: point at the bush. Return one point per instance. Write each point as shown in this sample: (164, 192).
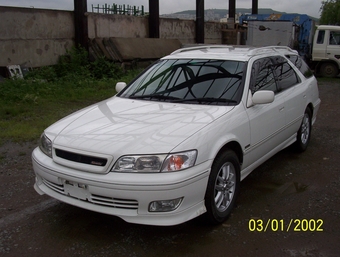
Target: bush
(74, 63)
(75, 66)
(102, 68)
(47, 73)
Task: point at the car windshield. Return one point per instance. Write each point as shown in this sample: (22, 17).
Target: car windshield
(217, 82)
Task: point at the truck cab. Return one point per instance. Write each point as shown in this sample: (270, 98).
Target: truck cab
(326, 50)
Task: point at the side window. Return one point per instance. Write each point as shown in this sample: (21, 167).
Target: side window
(301, 65)
(285, 74)
(262, 77)
(321, 37)
(334, 38)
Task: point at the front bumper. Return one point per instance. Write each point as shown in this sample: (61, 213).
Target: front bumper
(126, 195)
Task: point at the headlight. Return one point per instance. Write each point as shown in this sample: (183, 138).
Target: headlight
(139, 163)
(45, 145)
(155, 163)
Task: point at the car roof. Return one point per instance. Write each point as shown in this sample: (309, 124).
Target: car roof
(228, 52)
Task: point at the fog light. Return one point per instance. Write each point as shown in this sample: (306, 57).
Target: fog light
(165, 205)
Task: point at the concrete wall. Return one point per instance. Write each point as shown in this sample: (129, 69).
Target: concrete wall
(35, 37)
(213, 32)
(183, 30)
(110, 25)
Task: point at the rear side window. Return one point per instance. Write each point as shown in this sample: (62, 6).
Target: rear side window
(285, 74)
(301, 65)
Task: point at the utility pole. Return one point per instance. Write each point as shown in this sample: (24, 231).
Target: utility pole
(255, 7)
(231, 13)
(200, 21)
(81, 24)
(154, 18)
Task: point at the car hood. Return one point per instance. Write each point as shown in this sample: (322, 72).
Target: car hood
(124, 126)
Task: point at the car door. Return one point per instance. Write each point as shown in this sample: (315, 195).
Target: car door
(266, 121)
(333, 46)
(294, 90)
(319, 46)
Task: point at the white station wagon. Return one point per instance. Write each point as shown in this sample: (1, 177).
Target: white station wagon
(176, 142)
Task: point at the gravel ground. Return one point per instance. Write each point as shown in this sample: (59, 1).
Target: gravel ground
(284, 191)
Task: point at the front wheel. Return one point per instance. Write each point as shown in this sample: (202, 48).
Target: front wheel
(304, 133)
(223, 187)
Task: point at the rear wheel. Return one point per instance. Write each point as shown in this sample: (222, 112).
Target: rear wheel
(304, 133)
(223, 187)
(329, 70)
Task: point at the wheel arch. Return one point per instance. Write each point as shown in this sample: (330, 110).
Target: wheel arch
(235, 147)
(311, 108)
(319, 63)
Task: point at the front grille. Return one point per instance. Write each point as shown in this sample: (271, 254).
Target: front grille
(114, 202)
(55, 187)
(85, 159)
(97, 199)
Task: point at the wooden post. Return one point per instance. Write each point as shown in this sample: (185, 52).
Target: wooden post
(80, 24)
(200, 21)
(154, 18)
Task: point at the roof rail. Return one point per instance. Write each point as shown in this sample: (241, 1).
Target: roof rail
(252, 50)
(200, 47)
(266, 49)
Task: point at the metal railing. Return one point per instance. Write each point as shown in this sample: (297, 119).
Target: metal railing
(119, 9)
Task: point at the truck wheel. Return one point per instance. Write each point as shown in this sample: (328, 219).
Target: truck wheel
(329, 70)
(223, 187)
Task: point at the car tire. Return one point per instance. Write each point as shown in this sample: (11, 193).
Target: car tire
(304, 132)
(223, 187)
(329, 70)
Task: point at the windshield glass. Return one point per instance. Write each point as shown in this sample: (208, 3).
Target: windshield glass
(217, 82)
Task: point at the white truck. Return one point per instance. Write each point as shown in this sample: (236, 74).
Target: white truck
(326, 50)
(321, 50)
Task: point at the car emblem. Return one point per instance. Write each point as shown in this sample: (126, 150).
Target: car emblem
(96, 163)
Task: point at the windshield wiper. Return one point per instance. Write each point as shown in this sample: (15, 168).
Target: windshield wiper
(154, 96)
(179, 100)
(207, 100)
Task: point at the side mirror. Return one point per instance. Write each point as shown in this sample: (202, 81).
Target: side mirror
(263, 97)
(120, 86)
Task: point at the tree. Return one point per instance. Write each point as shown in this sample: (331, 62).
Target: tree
(330, 12)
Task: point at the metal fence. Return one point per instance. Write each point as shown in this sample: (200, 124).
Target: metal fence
(119, 9)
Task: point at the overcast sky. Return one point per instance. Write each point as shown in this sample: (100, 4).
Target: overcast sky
(310, 7)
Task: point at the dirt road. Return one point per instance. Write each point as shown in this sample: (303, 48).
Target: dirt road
(290, 206)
